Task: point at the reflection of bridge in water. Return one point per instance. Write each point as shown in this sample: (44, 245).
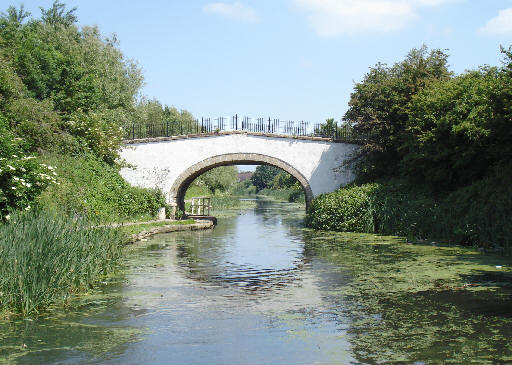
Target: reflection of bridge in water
(169, 156)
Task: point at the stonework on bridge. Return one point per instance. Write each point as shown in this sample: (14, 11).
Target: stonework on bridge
(172, 163)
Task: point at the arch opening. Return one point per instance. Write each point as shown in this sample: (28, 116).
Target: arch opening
(182, 183)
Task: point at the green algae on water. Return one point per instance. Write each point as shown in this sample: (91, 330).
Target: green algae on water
(412, 302)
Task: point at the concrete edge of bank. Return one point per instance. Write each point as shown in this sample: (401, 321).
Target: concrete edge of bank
(197, 226)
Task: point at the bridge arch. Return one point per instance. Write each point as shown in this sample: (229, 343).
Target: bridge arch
(181, 184)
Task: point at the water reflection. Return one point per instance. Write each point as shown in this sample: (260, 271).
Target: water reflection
(252, 252)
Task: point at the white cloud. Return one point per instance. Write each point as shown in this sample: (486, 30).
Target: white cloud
(233, 10)
(499, 25)
(340, 17)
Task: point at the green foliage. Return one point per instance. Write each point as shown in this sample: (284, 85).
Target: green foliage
(61, 80)
(179, 214)
(293, 194)
(57, 14)
(151, 118)
(475, 215)
(273, 182)
(379, 107)
(244, 188)
(11, 85)
(459, 129)
(149, 112)
(22, 177)
(388, 208)
(283, 180)
(442, 144)
(225, 201)
(174, 115)
(263, 176)
(425, 124)
(327, 129)
(296, 195)
(90, 187)
(100, 132)
(45, 259)
(481, 212)
(220, 179)
(346, 210)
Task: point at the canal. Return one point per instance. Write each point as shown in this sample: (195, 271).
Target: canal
(261, 289)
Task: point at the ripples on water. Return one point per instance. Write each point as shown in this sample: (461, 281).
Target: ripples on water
(259, 289)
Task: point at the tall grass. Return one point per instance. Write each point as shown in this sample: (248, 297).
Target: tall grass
(44, 259)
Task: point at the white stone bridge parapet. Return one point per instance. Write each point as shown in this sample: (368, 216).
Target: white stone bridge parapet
(172, 163)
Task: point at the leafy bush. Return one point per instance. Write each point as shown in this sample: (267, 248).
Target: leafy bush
(100, 132)
(346, 210)
(57, 79)
(91, 187)
(22, 177)
(458, 130)
(45, 259)
(482, 212)
(389, 208)
(475, 215)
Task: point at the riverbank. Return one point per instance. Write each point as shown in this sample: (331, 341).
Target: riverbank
(478, 215)
(139, 231)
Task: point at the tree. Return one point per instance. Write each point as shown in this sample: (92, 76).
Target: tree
(220, 178)
(57, 14)
(15, 16)
(459, 130)
(379, 107)
(328, 129)
(63, 82)
(263, 176)
(149, 112)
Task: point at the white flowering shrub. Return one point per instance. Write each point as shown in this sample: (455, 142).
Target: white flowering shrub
(22, 177)
(99, 131)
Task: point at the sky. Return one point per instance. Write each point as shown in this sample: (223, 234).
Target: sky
(286, 59)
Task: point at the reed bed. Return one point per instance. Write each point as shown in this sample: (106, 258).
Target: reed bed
(45, 259)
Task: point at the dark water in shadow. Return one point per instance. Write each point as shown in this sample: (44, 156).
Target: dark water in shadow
(260, 289)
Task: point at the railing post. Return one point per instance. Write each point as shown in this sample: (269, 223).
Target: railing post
(336, 130)
(133, 130)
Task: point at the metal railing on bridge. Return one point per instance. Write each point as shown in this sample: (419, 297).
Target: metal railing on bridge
(169, 128)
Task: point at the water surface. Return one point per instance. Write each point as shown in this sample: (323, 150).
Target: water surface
(260, 289)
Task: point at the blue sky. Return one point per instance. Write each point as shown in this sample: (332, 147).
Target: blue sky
(289, 59)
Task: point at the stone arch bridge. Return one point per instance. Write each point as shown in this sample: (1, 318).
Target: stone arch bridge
(172, 163)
